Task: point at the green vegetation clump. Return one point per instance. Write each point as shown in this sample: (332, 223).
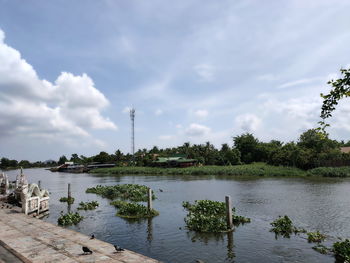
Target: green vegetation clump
(321, 249)
(341, 250)
(118, 203)
(330, 171)
(69, 200)
(209, 216)
(132, 192)
(88, 205)
(134, 210)
(284, 226)
(315, 237)
(69, 219)
(254, 169)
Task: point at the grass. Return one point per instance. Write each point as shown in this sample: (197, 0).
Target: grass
(330, 171)
(255, 169)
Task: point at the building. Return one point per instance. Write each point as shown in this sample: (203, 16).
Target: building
(175, 161)
(345, 149)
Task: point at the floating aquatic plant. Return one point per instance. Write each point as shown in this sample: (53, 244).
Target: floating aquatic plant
(284, 226)
(209, 216)
(315, 237)
(69, 200)
(69, 219)
(341, 250)
(88, 205)
(133, 210)
(132, 192)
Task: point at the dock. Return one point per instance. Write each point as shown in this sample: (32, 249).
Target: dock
(31, 240)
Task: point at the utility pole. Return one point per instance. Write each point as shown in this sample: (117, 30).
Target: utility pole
(132, 117)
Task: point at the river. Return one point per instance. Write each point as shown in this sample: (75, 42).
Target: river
(312, 203)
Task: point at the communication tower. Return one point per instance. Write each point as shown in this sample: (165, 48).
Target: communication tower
(132, 117)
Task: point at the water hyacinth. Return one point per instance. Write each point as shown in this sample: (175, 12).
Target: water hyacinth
(69, 219)
(209, 216)
(315, 237)
(341, 250)
(88, 205)
(134, 210)
(69, 200)
(284, 226)
(132, 192)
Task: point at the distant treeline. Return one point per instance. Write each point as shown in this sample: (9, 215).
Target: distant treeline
(313, 149)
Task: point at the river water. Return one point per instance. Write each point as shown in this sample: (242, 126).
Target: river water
(312, 203)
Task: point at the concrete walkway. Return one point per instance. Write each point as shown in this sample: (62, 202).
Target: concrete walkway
(33, 240)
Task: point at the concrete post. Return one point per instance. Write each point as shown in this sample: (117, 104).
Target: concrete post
(228, 212)
(150, 206)
(69, 192)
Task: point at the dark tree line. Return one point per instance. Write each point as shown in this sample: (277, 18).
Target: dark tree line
(313, 149)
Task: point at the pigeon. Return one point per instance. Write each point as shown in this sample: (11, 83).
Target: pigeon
(87, 250)
(92, 236)
(118, 249)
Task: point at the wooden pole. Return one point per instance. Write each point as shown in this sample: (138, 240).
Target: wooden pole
(39, 184)
(69, 192)
(150, 199)
(228, 212)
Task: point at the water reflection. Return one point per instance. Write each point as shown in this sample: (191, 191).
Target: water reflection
(149, 230)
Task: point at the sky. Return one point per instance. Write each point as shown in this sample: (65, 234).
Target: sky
(194, 70)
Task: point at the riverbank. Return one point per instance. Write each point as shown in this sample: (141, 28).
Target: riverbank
(255, 169)
(34, 241)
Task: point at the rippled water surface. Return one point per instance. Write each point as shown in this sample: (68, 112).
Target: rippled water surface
(315, 204)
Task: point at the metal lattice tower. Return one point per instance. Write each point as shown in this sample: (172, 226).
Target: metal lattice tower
(132, 117)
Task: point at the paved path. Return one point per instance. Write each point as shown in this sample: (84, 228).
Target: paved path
(33, 240)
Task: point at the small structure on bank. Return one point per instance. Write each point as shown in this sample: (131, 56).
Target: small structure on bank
(174, 161)
(29, 197)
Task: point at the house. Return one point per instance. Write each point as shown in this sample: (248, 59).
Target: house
(345, 149)
(175, 161)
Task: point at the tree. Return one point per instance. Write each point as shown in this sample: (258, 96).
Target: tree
(62, 159)
(102, 157)
(247, 145)
(340, 89)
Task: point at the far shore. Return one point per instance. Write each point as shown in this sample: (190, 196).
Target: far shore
(255, 169)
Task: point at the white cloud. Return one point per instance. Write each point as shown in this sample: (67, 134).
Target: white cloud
(299, 82)
(126, 110)
(201, 113)
(158, 112)
(205, 72)
(197, 130)
(248, 122)
(30, 106)
(166, 137)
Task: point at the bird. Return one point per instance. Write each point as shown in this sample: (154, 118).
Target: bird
(118, 249)
(160, 190)
(92, 236)
(87, 250)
